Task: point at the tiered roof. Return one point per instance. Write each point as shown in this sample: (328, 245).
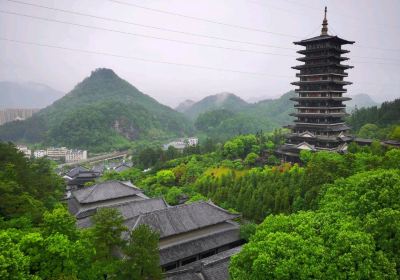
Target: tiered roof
(182, 218)
(211, 268)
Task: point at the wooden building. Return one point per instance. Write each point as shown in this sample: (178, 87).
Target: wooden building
(188, 232)
(320, 112)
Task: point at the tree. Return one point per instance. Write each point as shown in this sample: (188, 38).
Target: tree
(106, 234)
(173, 195)
(250, 159)
(395, 133)
(369, 130)
(14, 265)
(59, 220)
(166, 177)
(142, 261)
(310, 245)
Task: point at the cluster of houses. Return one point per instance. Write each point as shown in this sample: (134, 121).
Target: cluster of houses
(196, 240)
(61, 154)
(182, 143)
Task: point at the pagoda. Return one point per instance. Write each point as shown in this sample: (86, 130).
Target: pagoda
(320, 112)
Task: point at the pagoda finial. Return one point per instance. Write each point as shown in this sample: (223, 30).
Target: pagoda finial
(324, 30)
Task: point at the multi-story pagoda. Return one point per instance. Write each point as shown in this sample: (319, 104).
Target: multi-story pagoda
(320, 112)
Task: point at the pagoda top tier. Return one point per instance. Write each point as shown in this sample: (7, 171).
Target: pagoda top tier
(324, 36)
(321, 38)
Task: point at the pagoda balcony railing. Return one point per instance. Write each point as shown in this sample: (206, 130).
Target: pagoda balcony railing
(319, 110)
(298, 114)
(322, 74)
(319, 106)
(304, 123)
(305, 66)
(308, 51)
(320, 98)
(318, 137)
(320, 90)
(322, 70)
(321, 61)
(310, 59)
(328, 81)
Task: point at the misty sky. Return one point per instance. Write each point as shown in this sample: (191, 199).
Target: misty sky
(374, 25)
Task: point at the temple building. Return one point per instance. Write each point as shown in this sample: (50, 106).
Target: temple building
(189, 233)
(320, 112)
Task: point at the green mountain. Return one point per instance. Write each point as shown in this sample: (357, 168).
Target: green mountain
(27, 95)
(387, 114)
(223, 123)
(224, 100)
(360, 101)
(185, 105)
(101, 113)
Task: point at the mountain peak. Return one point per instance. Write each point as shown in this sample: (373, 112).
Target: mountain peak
(103, 73)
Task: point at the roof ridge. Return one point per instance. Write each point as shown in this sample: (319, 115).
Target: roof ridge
(220, 208)
(136, 201)
(94, 187)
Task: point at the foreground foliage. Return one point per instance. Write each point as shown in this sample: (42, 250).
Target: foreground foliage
(354, 234)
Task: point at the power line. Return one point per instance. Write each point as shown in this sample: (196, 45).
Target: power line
(178, 31)
(209, 68)
(143, 35)
(344, 15)
(141, 59)
(149, 26)
(296, 12)
(159, 38)
(202, 19)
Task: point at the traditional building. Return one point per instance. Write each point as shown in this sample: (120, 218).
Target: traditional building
(211, 268)
(78, 176)
(188, 232)
(320, 111)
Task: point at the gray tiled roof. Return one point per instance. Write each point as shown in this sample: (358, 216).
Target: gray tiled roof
(198, 245)
(323, 38)
(128, 209)
(211, 268)
(75, 171)
(105, 191)
(183, 218)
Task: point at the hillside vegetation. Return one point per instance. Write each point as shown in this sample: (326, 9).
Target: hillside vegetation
(377, 122)
(266, 115)
(102, 112)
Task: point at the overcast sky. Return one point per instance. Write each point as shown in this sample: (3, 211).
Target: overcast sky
(374, 25)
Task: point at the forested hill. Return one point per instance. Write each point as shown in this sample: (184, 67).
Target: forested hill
(358, 101)
(266, 115)
(224, 100)
(377, 122)
(102, 112)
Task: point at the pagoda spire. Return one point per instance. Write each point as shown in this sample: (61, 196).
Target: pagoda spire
(324, 30)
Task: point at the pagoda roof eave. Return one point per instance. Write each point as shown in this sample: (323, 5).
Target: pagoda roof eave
(323, 38)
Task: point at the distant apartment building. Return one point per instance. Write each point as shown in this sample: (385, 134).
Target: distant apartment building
(75, 156)
(57, 153)
(193, 141)
(9, 114)
(24, 149)
(40, 153)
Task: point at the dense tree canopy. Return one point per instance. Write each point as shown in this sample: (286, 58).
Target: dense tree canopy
(352, 235)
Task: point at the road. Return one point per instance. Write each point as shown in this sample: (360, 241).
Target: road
(108, 156)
